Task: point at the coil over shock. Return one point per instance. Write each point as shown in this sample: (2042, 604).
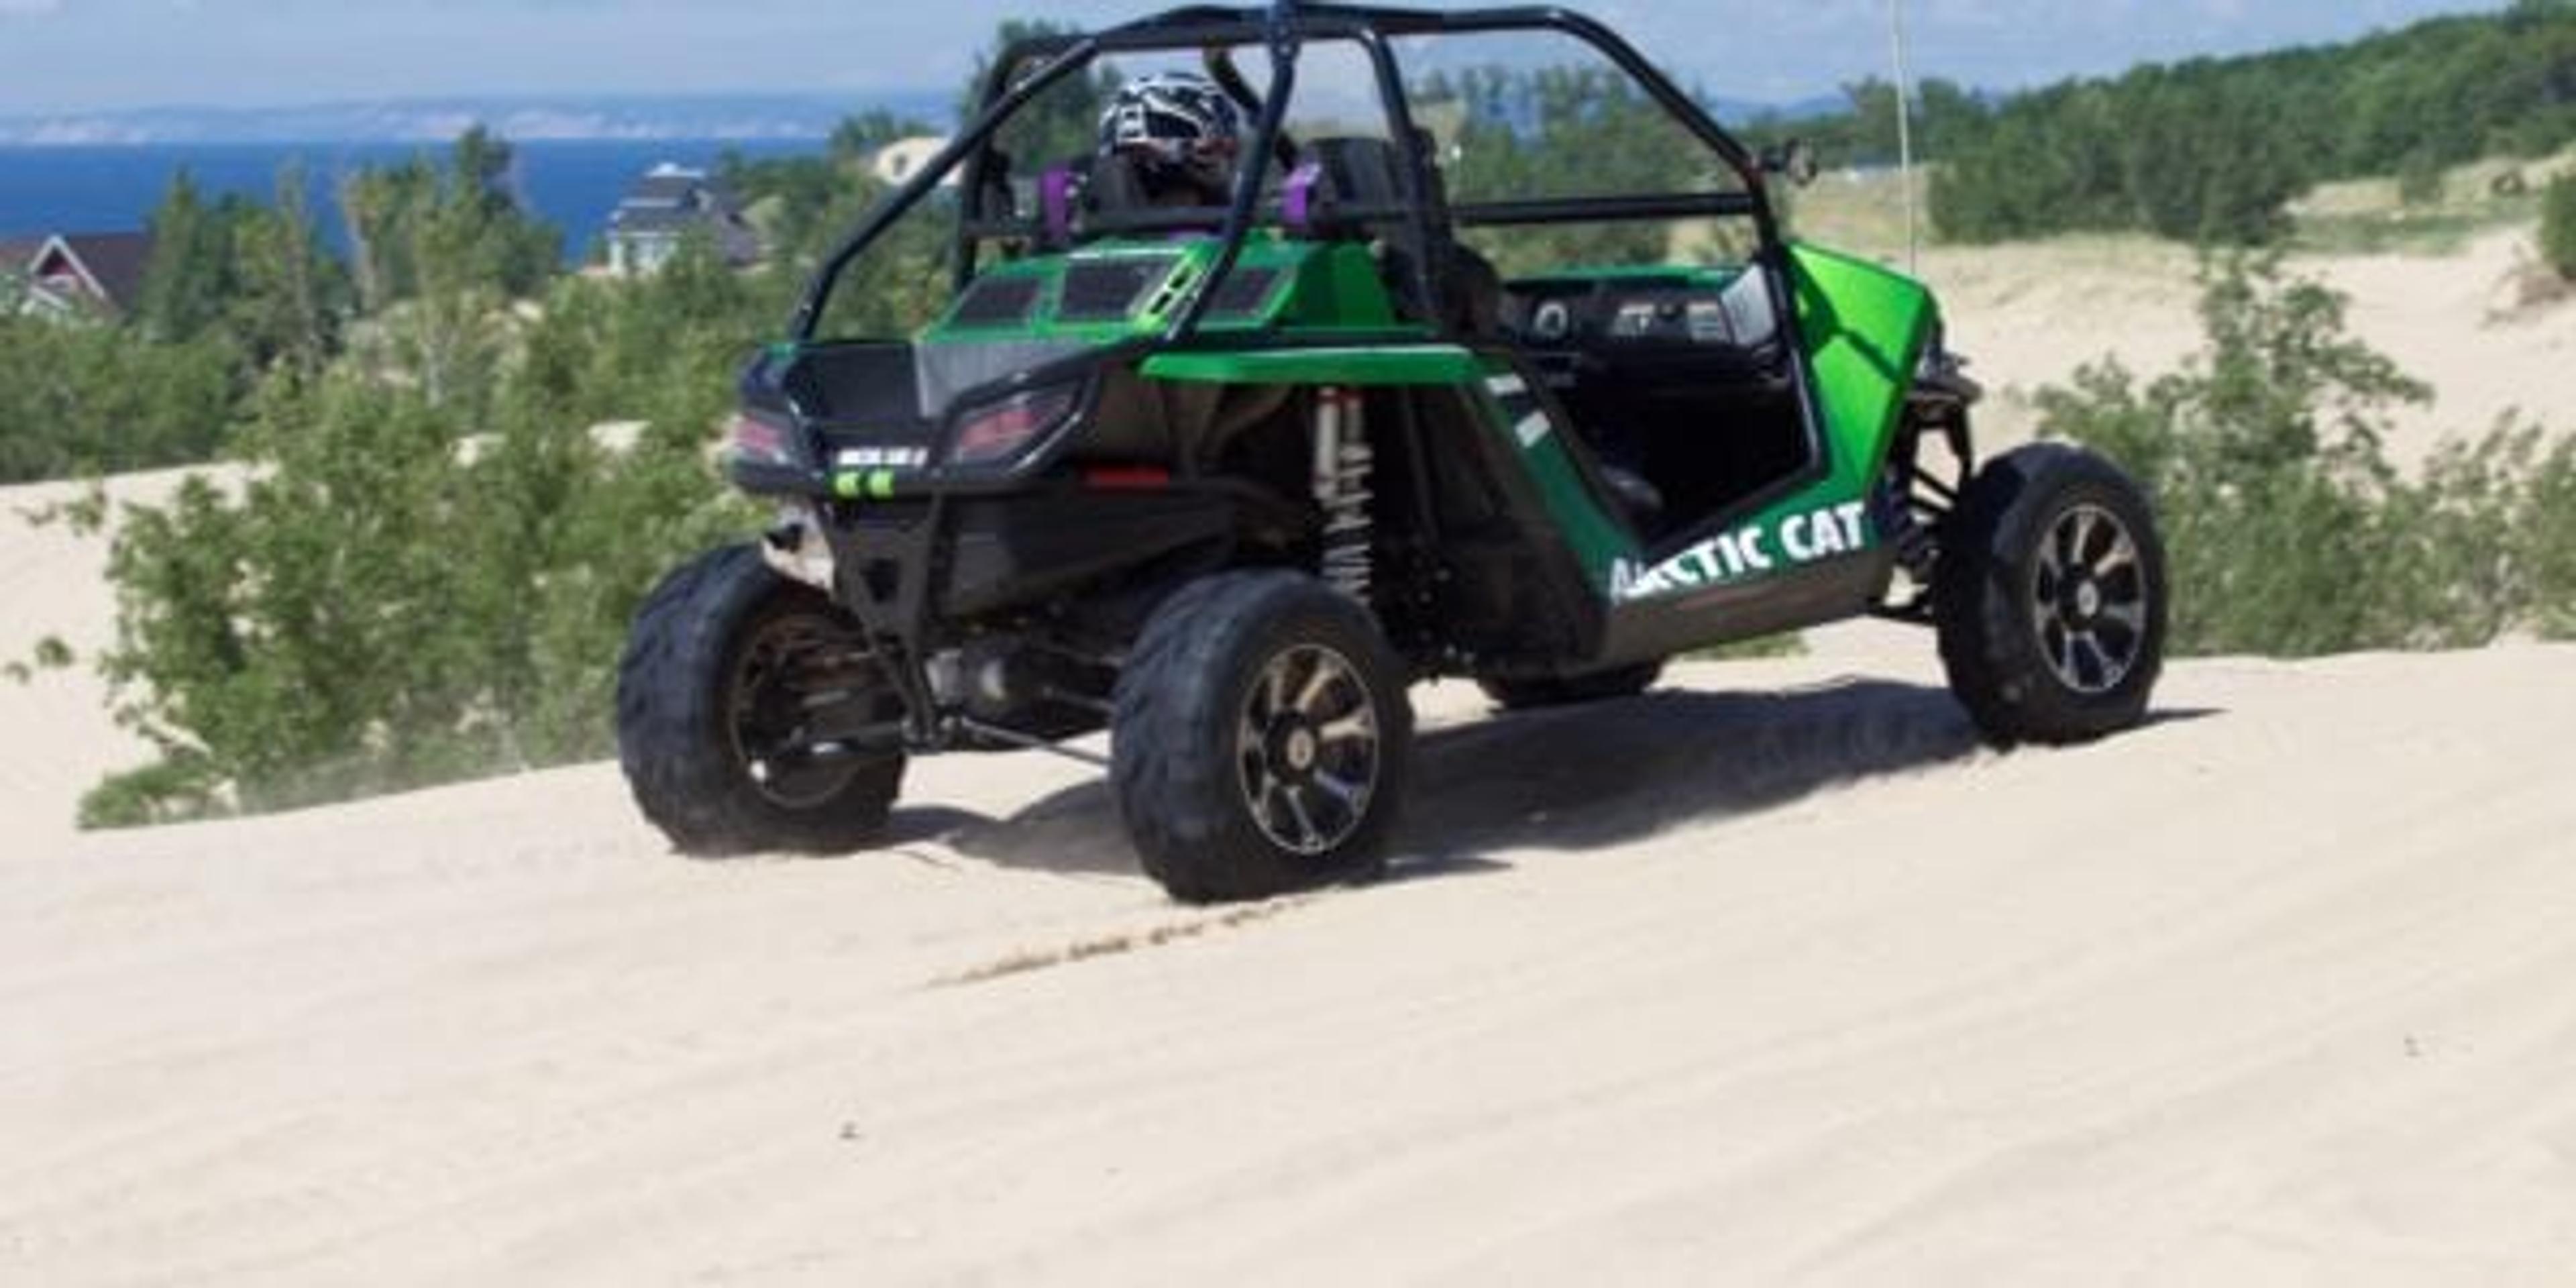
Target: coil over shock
(1342, 468)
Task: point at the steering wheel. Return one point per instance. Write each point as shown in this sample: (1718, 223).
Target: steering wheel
(1220, 67)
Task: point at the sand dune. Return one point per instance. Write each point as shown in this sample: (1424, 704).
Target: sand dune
(2029, 315)
(55, 736)
(1773, 975)
(1770, 975)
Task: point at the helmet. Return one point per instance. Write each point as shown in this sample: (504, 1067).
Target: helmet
(1178, 126)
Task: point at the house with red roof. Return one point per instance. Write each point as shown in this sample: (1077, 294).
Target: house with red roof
(71, 275)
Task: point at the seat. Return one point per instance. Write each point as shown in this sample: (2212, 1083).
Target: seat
(1643, 501)
(1336, 186)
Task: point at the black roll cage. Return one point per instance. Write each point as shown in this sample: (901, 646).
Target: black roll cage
(1282, 29)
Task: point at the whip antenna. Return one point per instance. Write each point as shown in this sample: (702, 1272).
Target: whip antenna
(1905, 135)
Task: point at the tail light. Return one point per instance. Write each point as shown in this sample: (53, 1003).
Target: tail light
(754, 439)
(1007, 428)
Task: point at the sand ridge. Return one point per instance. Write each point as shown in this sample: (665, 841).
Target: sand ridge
(1809, 987)
(1773, 975)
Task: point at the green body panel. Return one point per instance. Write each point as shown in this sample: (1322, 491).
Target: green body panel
(1600, 542)
(1405, 364)
(1865, 329)
(1323, 289)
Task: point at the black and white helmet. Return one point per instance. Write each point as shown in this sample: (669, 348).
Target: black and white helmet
(1178, 125)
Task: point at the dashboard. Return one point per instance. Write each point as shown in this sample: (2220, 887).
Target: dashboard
(1717, 321)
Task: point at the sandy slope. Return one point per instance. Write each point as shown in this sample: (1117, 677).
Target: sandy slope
(1768, 976)
(2029, 315)
(55, 738)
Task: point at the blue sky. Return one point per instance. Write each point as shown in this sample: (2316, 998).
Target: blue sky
(62, 56)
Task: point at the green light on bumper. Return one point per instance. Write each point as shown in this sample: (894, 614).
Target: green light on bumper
(870, 485)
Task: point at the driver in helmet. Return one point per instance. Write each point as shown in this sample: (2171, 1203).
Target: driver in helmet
(1180, 134)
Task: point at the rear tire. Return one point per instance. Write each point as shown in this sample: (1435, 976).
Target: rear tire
(1535, 693)
(1262, 738)
(2050, 598)
(711, 693)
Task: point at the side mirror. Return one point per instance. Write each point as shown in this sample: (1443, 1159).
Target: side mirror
(1794, 161)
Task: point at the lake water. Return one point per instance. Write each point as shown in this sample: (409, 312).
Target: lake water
(573, 185)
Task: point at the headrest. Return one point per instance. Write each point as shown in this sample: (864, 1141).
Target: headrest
(1334, 175)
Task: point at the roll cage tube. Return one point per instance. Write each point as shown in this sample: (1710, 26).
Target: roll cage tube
(1283, 43)
(809, 310)
(1284, 27)
(1221, 68)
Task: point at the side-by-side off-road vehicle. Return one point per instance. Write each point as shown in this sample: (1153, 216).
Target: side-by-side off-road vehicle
(1226, 479)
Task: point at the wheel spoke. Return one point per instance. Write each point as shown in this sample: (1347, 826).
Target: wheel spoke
(1326, 671)
(1343, 790)
(2116, 662)
(2122, 555)
(1309, 836)
(2061, 650)
(1359, 725)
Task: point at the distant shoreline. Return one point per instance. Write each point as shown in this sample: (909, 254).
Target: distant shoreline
(114, 187)
(743, 118)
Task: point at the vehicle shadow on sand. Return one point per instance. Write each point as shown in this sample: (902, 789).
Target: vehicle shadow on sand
(1575, 778)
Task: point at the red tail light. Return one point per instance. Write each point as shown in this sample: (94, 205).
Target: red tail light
(1006, 429)
(759, 440)
(1127, 478)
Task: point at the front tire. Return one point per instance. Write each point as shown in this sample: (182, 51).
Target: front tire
(2050, 598)
(1261, 739)
(731, 675)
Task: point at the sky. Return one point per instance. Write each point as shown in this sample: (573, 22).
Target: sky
(72, 56)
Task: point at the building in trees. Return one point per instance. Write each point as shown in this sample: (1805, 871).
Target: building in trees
(896, 161)
(77, 275)
(663, 208)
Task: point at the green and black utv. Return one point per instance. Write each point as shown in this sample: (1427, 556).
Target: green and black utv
(1227, 479)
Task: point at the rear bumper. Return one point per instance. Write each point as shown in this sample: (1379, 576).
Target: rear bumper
(917, 570)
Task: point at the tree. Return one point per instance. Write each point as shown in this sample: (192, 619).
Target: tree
(2214, 149)
(1060, 124)
(860, 137)
(1569, 131)
(190, 278)
(378, 609)
(86, 399)
(291, 291)
(2558, 225)
(422, 229)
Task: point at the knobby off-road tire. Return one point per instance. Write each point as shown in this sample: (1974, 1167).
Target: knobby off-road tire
(708, 687)
(2050, 598)
(1262, 738)
(1564, 691)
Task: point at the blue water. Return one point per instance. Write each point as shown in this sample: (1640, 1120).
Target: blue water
(572, 185)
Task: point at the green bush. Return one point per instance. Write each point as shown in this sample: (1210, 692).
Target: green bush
(384, 605)
(2558, 225)
(83, 398)
(2288, 530)
(2548, 528)
(2422, 178)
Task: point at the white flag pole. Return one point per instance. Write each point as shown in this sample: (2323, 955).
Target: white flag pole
(1905, 135)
